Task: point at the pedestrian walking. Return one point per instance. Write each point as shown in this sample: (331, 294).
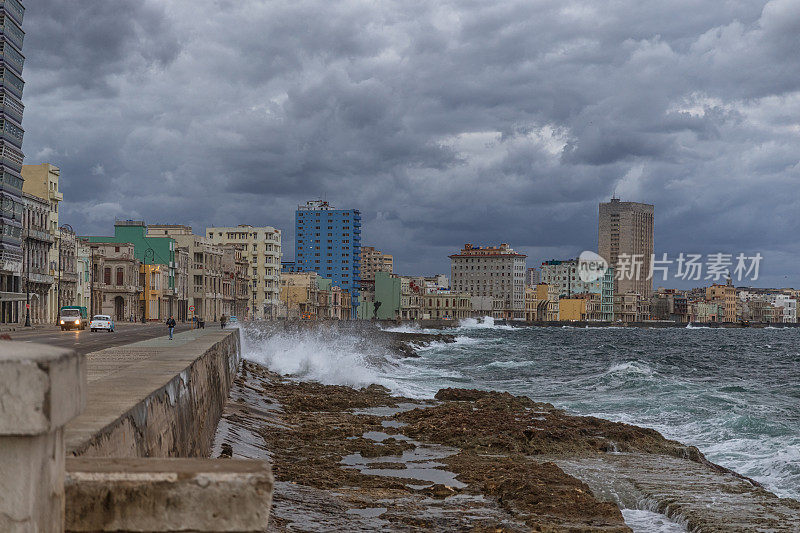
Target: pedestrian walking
(222, 321)
(171, 326)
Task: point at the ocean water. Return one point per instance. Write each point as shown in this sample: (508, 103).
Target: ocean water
(733, 393)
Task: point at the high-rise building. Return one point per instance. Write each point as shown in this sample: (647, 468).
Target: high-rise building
(372, 261)
(261, 248)
(625, 240)
(328, 241)
(11, 157)
(492, 271)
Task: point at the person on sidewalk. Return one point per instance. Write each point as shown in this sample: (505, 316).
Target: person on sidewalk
(171, 326)
(222, 321)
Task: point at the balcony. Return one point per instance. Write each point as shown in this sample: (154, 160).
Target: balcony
(11, 31)
(14, 9)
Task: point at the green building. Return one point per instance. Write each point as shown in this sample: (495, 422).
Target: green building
(387, 292)
(150, 250)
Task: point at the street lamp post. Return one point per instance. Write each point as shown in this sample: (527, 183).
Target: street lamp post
(60, 240)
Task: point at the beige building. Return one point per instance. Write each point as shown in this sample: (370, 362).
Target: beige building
(43, 181)
(446, 305)
(492, 271)
(36, 244)
(308, 296)
(205, 269)
(114, 280)
(724, 295)
(372, 261)
(261, 248)
(625, 240)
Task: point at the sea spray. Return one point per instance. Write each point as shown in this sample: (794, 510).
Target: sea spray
(328, 356)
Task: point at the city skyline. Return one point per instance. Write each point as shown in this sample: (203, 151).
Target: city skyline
(514, 135)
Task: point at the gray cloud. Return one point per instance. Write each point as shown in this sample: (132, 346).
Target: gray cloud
(444, 122)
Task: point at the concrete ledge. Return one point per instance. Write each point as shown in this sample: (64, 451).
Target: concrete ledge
(167, 405)
(41, 388)
(115, 494)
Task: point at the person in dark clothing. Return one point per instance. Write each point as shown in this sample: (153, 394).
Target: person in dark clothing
(222, 321)
(171, 326)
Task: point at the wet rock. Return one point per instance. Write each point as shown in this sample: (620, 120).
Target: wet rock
(227, 451)
(440, 491)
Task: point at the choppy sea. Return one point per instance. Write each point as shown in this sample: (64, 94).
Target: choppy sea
(733, 393)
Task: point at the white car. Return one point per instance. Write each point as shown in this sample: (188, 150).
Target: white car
(101, 322)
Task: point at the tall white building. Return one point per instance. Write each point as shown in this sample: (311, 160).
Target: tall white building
(492, 271)
(261, 247)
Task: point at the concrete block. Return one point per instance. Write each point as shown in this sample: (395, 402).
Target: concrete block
(41, 388)
(133, 494)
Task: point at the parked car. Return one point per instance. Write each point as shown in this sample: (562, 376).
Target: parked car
(73, 317)
(101, 322)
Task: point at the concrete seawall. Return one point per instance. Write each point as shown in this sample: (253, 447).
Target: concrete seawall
(165, 405)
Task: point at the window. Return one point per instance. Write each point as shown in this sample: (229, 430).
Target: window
(120, 276)
(107, 275)
(116, 248)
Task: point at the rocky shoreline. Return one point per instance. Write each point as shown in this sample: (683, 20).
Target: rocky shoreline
(349, 459)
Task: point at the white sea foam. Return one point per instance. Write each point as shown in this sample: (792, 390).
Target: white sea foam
(486, 322)
(332, 359)
(641, 521)
(630, 367)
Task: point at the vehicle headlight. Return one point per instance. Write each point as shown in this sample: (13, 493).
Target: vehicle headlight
(78, 321)
(62, 321)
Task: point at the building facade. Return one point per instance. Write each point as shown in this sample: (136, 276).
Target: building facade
(37, 241)
(205, 269)
(492, 271)
(625, 241)
(328, 242)
(724, 295)
(261, 249)
(44, 181)
(12, 298)
(372, 261)
(565, 276)
(115, 287)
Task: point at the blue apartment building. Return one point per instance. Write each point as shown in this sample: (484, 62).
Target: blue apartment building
(328, 241)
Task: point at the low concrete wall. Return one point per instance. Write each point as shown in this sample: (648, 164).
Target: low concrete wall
(167, 405)
(167, 494)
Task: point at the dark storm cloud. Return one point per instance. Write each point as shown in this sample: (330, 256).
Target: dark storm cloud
(444, 122)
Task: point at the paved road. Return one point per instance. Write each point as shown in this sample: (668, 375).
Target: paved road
(87, 341)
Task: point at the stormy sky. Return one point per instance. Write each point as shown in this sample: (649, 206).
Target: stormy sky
(444, 122)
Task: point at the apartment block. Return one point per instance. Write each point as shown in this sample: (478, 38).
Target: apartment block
(205, 269)
(261, 249)
(328, 242)
(625, 241)
(12, 299)
(724, 295)
(565, 276)
(492, 271)
(372, 261)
